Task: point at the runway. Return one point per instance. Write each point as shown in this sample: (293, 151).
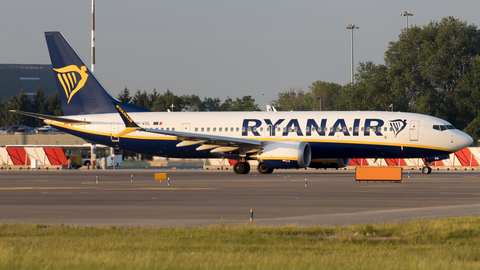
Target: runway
(202, 198)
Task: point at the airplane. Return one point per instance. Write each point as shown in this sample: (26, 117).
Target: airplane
(307, 139)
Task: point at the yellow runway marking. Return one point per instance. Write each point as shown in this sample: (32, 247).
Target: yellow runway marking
(99, 188)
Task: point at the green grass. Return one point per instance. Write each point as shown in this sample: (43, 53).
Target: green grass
(437, 244)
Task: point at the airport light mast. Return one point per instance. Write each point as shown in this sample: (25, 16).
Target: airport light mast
(406, 14)
(351, 27)
(93, 38)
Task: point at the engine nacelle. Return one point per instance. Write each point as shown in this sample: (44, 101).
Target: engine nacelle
(285, 154)
(329, 163)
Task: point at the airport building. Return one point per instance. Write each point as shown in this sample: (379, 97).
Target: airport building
(15, 77)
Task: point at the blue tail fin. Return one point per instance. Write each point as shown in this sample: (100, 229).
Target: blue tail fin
(80, 91)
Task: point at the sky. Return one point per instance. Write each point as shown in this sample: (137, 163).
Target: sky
(218, 48)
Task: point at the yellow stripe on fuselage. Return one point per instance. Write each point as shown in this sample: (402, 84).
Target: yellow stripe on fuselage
(310, 140)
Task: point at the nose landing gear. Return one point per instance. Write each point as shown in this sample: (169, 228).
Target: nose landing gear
(426, 170)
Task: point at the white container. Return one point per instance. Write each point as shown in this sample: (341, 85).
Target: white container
(34, 163)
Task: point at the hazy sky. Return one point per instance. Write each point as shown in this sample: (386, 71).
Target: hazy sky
(218, 48)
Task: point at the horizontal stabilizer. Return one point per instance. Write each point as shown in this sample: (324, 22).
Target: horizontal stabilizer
(53, 118)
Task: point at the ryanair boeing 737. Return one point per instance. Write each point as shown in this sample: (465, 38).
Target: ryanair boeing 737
(275, 139)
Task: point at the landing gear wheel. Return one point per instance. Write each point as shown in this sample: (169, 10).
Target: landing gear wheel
(241, 167)
(263, 170)
(426, 170)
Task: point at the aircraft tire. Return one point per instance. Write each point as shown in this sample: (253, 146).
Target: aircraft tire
(247, 168)
(241, 167)
(426, 170)
(263, 170)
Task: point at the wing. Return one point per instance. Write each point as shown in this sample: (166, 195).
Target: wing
(217, 144)
(53, 118)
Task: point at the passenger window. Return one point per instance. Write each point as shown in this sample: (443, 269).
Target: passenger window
(350, 129)
(385, 129)
(161, 129)
(344, 129)
(254, 129)
(220, 129)
(173, 129)
(231, 129)
(168, 129)
(284, 129)
(325, 129)
(331, 129)
(249, 129)
(308, 129)
(243, 129)
(196, 129)
(203, 129)
(356, 129)
(362, 128)
(391, 129)
(214, 129)
(208, 129)
(226, 129)
(374, 129)
(261, 129)
(237, 129)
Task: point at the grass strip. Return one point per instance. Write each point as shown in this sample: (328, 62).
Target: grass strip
(432, 244)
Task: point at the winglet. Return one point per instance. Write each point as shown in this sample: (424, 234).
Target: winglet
(130, 126)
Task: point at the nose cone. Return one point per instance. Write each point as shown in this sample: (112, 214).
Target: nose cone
(463, 140)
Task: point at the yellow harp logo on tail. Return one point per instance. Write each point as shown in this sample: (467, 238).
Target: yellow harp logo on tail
(72, 79)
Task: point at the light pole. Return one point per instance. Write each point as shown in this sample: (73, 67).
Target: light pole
(92, 41)
(351, 27)
(406, 14)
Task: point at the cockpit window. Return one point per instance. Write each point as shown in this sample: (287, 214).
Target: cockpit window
(442, 127)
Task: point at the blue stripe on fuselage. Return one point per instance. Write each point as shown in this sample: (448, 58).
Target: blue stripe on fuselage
(319, 149)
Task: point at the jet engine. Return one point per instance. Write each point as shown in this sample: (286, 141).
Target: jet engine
(285, 154)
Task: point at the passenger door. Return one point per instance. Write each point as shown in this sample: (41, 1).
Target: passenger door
(414, 126)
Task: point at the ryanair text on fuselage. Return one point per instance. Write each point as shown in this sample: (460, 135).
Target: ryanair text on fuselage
(370, 125)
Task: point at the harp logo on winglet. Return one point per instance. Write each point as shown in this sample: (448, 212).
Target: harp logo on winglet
(72, 79)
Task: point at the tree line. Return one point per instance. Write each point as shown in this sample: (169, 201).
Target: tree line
(154, 101)
(50, 105)
(163, 102)
(432, 69)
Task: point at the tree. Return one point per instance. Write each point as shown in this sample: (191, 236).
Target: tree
(140, 99)
(290, 100)
(192, 103)
(227, 105)
(246, 103)
(39, 104)
(429, 63)
(54, 105)
(165, 101)
(124, 96)
(324, 96)
(211, 104)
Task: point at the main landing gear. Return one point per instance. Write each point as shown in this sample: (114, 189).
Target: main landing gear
(264, 170)
(426, 170)
(241, 167)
